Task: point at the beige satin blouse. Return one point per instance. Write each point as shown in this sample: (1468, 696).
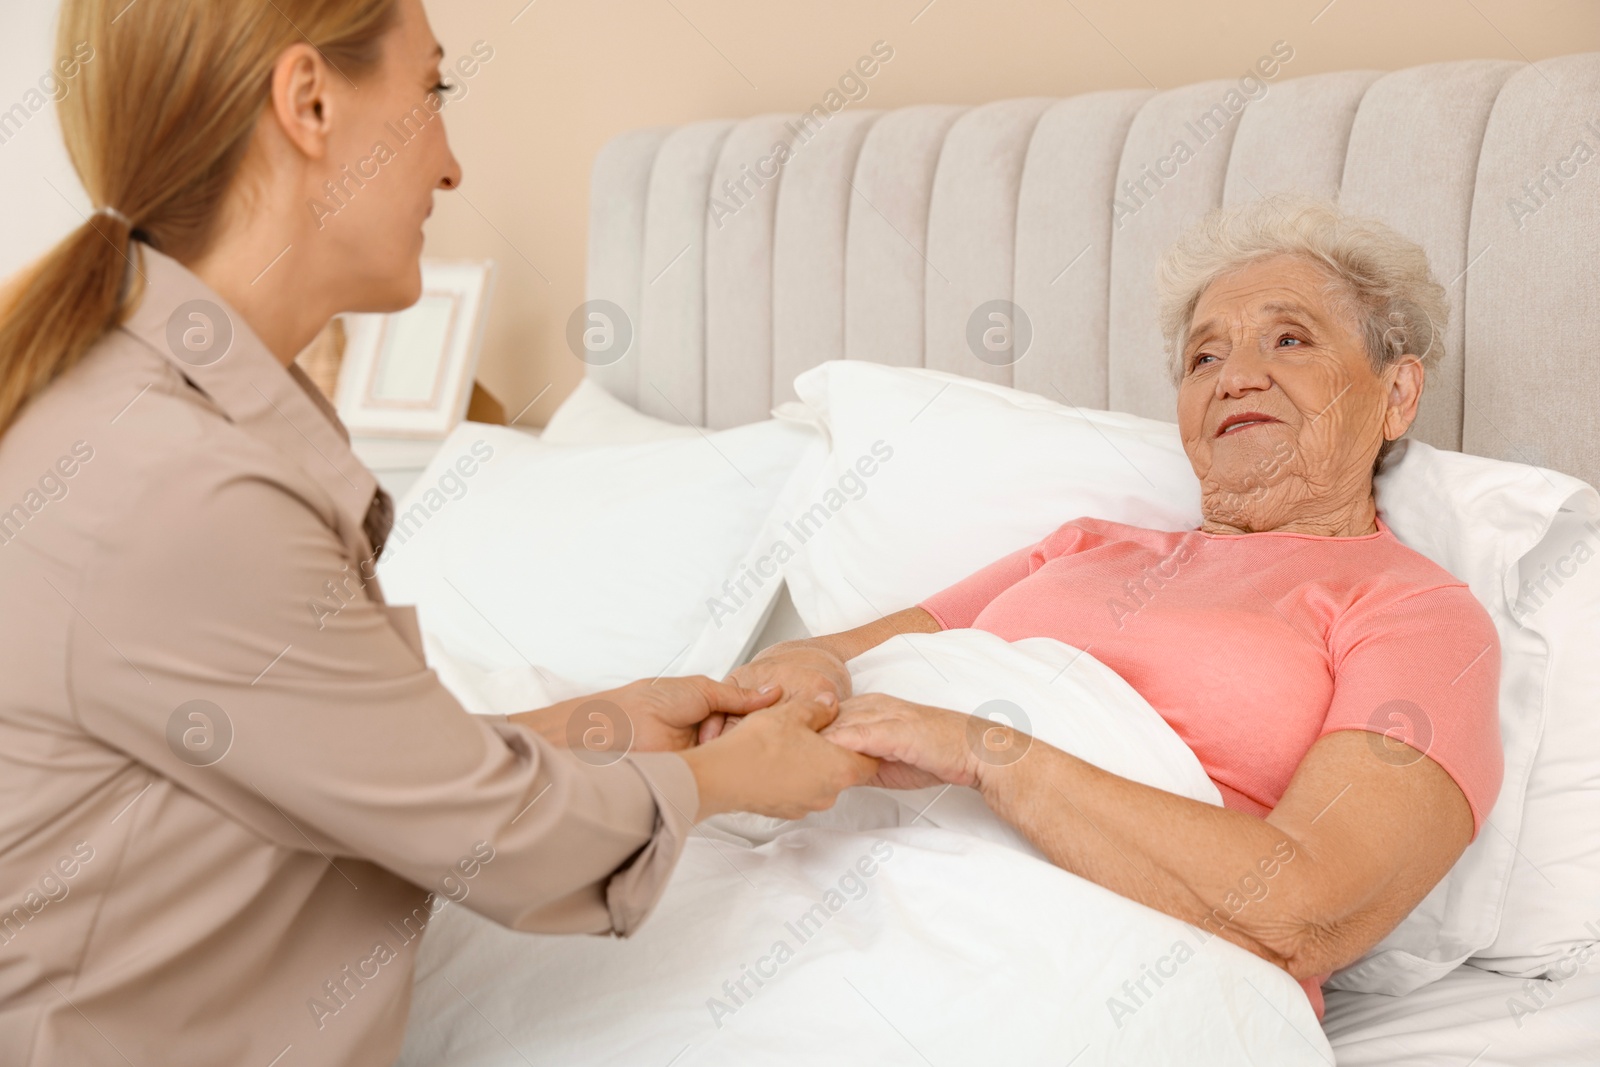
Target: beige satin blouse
(227, 816)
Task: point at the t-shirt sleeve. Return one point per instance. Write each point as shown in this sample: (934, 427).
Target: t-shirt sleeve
(1424, 672)
(958, 606)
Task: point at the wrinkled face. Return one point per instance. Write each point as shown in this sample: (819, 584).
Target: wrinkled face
(1280, 411)
(387, 153)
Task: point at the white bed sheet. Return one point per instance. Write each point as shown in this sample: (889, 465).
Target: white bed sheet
(897, 927)
(1470, 1016)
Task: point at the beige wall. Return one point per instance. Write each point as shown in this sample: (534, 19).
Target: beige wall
(568, 74)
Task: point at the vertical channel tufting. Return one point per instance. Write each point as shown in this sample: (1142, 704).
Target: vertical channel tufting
(972, 232)
(620, 181)
(808, 250)
(1477, 161)
(1063, 269)
(739, 236)
(1296, 137)
(1533, 297)
(671, 327)
(885, 270)
(1172, 172)
(1413, 162)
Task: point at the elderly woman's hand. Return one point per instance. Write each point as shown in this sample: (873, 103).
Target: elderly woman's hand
(803, 671)
(918, 745)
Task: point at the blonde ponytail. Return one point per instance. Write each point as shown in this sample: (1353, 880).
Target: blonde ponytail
(157, 125)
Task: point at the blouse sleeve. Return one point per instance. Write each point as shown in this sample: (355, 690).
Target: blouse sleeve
(339, 738)
(1424, 673)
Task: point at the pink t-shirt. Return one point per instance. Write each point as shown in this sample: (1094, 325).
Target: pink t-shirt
(1253, 646)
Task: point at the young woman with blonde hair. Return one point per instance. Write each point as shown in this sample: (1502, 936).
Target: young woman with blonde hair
(221, 813)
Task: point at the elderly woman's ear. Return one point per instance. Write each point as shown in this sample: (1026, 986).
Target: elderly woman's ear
(1407, 378)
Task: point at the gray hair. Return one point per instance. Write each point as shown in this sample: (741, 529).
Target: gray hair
(1379, 277)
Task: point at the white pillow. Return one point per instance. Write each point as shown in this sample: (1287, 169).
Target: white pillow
(1479, 519)
(591, 416)
(978, 470)
(955, 473)
(593, 565)
(1552, 915)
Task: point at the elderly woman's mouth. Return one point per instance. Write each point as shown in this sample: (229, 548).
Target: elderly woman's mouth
(1243, 420)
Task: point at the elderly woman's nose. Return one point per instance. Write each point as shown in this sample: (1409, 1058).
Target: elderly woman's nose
(1244, 370)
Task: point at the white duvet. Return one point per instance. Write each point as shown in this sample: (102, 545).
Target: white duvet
(909, 927)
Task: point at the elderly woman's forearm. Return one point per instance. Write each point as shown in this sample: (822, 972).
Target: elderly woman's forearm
(1226, 871)
(848, 644)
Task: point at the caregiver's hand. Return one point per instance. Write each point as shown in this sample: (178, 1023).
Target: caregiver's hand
(776, 764)
(805, 671)
(919, 745)
(667, 712)
(656, 716)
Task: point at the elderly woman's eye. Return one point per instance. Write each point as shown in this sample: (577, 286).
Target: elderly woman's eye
(1289, 337)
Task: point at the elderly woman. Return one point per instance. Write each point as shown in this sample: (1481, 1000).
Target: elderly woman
(1338, 687)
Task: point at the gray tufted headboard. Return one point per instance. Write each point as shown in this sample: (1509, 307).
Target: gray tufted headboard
(884, 231)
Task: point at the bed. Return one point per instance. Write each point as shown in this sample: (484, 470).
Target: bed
(889, 225)
(1467, 1017)
(884, 230)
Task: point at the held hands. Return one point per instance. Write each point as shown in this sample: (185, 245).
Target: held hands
(804, 671)
(776, 764)
(797, 746)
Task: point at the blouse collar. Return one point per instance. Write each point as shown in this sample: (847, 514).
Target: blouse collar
(212, 346)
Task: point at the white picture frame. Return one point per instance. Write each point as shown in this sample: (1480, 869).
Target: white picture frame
(410, 373)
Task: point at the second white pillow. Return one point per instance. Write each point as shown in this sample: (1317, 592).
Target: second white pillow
(598, 564)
